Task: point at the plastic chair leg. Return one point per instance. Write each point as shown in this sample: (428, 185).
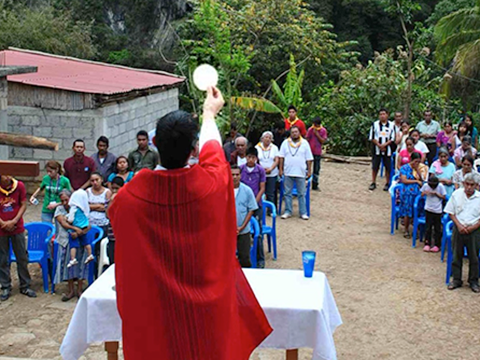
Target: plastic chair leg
(392, 223)
(269, 243)
(90, 272)
(274, 243)
(414, 235)
(44, 265)
(449, 260)
(253, 253)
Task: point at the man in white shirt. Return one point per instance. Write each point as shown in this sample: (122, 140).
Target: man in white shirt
(239, 156)
(296, 160)
(464, 210)
(429, 130)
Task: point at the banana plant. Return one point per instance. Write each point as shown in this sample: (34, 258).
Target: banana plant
(292, 89)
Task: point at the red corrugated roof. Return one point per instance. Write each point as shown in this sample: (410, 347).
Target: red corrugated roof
(81, 75)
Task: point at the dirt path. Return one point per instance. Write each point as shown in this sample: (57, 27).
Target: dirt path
(392, 298)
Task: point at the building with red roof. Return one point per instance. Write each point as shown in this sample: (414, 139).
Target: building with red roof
(69, 98)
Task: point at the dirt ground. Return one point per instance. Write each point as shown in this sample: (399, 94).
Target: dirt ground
(392, 298)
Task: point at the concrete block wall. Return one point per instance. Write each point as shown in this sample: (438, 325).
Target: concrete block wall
(62, 127)
(123, 120)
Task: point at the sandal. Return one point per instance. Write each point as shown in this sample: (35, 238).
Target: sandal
(406, 235)
(89, 258)
(66, 297)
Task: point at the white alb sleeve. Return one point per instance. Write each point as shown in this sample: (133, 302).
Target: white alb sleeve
(209, 131)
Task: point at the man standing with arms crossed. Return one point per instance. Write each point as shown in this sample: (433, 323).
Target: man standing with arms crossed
(429, 130)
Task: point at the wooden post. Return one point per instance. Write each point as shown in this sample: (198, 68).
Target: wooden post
(111, 347)
(292, 354)
(27, 141)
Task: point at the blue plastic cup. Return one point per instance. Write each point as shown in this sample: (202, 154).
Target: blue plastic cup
(308, 258)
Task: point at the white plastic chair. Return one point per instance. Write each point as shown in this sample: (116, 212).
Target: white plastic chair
(103, 258)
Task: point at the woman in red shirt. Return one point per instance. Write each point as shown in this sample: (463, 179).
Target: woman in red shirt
(405, 154)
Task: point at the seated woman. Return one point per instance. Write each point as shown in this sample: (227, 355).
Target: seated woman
(465, 149)
(444, 170)
(446, 137)
(419, 145)
(456, 142)
(412, 177)
(122, 169)
(467, 167)
(405, 154)
(98, 198)
(63, 273)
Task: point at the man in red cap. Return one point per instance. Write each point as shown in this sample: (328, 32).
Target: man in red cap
(181, 292)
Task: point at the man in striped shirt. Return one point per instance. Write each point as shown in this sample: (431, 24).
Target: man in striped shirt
(382, 136)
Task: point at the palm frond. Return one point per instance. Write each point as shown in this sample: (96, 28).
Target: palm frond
(455, 30)
(255, 103)
(278, 93)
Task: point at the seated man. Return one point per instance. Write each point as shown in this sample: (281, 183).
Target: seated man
(464, 210)
(245, 205)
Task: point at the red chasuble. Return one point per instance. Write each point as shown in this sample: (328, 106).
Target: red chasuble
(181, 293)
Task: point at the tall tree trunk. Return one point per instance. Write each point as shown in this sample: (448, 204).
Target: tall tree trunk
(408, 98)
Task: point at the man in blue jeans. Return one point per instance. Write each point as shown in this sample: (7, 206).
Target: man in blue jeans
(296, 160)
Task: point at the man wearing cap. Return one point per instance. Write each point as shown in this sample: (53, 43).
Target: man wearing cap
(465, 149)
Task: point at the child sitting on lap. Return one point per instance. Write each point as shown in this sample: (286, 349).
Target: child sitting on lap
(78, 217)
(436, 193)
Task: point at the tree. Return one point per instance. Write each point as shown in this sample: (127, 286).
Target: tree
(43, 29)
(250, 42)
(404, 10)
(458, 44)
(349, 107)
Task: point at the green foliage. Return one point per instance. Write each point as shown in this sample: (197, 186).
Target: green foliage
(256, 104)
(292, 89)
(250, 43)
(458, 43)
(349, 107)
(43, 29)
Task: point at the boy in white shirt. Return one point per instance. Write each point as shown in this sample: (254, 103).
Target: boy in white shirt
(435, 193)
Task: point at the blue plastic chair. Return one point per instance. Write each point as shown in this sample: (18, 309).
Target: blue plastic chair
(270, 231)
(395, 211)
(418, 218)
(295, 193)
(448, 238)
(445, 220)
(39, 236)
(392, 167)
(255, 230)
(94, 235)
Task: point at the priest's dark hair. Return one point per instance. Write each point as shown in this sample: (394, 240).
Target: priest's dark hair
(175, 138)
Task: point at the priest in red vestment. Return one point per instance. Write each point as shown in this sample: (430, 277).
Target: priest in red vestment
(181, 293)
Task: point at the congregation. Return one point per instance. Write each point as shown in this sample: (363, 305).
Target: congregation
(436, 165)
(77, 195)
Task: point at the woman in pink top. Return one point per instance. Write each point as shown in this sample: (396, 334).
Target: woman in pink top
(446, 137)
(405, 154)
